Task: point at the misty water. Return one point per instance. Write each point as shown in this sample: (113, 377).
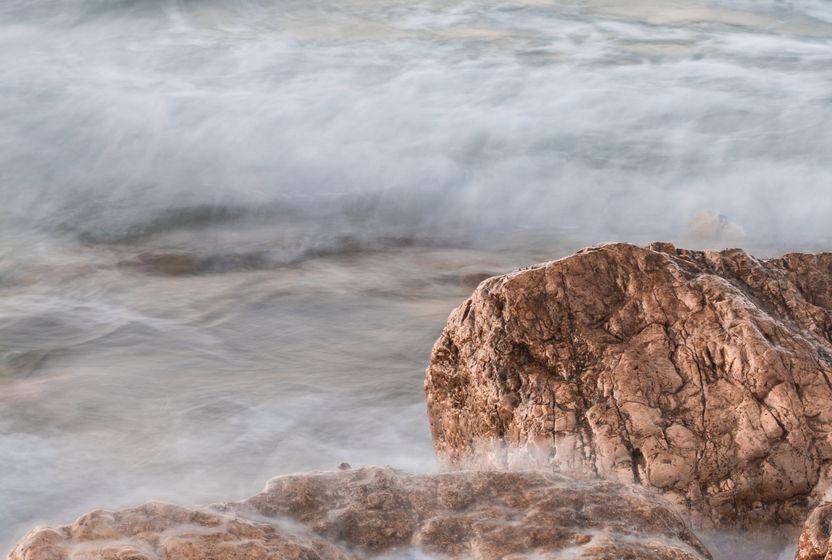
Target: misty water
(231, 230)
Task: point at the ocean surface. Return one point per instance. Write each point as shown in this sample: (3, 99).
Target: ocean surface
(231, 230)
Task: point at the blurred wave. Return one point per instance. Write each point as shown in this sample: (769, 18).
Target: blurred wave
(353, 168)
(458, 120)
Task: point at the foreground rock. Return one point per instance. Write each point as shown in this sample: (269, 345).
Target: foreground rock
(705, 375)
(368, 512)
(815, 541)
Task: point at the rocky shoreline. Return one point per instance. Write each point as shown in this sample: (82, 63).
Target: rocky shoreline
(372, 512)
(596, 407)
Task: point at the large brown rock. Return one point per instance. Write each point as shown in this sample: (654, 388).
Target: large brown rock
(815, 541)
(706, 375)
(368, 512)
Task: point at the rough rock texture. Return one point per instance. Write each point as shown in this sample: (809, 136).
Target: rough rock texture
(815, 541)
(369, 512)
(705, 375)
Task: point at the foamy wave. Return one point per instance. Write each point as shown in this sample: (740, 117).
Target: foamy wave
(416, 121)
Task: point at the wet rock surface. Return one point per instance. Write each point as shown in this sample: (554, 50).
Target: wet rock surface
(369, 512)
(815, 541)
(705, 375)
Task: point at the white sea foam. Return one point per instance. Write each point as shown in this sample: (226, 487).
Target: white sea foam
(418, 119)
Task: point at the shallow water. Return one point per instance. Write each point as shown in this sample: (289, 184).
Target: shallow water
(120, 386)
(231, 230)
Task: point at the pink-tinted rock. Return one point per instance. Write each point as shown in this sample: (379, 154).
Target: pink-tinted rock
(363, 513)
(705, 375)
(815, 541)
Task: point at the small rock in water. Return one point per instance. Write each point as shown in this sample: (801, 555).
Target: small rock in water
(713, 229)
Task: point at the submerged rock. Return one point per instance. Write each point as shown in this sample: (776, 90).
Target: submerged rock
(169, 262)
(173, 262)
(705, 375)
(368, 512)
